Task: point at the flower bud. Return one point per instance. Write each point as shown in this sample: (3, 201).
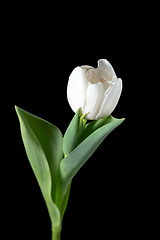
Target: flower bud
(96, 91)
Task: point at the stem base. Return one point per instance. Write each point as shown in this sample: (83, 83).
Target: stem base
(56, 235)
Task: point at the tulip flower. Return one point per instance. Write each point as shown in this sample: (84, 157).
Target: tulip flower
(96, 91)
(55, 157)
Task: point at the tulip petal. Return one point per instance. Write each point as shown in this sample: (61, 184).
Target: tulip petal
(104, 75)
(76, 89)
(95, 95)
(103, 63)
(111, 99)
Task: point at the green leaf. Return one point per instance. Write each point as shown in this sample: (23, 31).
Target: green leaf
(95, 133)
(65, 200)
(43, 144)
(71, 134)
(93, 126)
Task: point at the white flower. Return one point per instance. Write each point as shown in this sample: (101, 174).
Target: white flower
(96, 91)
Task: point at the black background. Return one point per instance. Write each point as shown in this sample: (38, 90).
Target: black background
(42, 45)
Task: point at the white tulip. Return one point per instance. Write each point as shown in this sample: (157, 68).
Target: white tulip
(96, 91)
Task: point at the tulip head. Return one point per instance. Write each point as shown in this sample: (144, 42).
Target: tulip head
(96, 91)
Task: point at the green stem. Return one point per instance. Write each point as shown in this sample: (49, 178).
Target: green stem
(56, 235)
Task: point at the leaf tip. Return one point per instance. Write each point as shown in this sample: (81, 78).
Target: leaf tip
(16, 108)
(18, 111)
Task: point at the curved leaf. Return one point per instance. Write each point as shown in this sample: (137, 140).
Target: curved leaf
(43, 144)
(70, 165)
(71, 134)
(93, 126)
